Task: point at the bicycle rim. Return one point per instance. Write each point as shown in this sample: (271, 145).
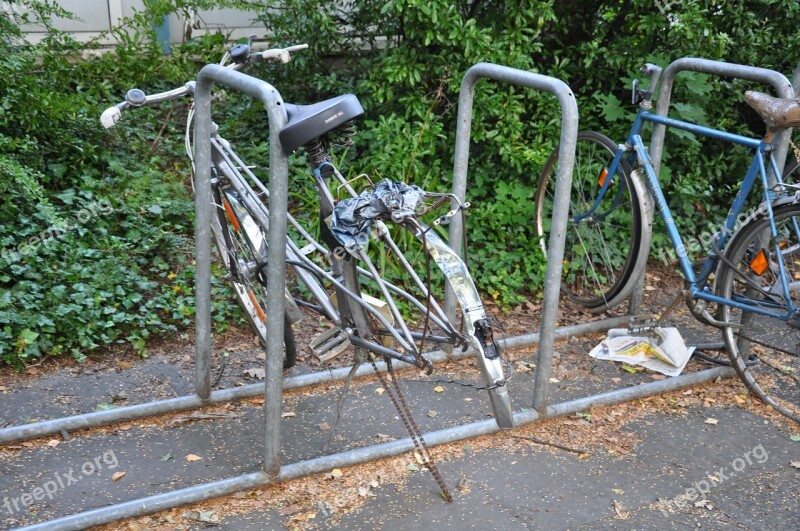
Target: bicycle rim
(765, 351)
(600, 249)
(243, 245)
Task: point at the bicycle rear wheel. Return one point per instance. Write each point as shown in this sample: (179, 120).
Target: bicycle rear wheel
(242, 245)
(765, 351)
(602, 245)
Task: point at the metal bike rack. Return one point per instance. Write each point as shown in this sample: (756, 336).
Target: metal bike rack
(274, 383)
(692, 64)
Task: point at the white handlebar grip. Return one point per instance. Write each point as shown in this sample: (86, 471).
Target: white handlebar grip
(110, 117)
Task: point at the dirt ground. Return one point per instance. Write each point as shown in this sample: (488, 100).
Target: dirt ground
(118, 378)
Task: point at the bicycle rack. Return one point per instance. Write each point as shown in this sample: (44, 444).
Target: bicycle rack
(274, 383)
(751, 73)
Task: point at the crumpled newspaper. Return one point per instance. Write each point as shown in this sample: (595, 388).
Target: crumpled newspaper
(662, 351)
(351, 221)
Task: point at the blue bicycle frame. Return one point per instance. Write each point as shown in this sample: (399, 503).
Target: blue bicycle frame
(697, 284)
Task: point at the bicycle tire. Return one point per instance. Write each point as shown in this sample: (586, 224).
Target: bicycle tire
(763, 350)
(599, 254)
(241, 243)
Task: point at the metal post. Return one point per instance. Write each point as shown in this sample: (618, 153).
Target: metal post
(214, 489)
(751, 73)
(276, 270)
(566, 156)
(181, 403)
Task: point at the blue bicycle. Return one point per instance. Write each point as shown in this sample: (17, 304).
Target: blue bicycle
(748, 285)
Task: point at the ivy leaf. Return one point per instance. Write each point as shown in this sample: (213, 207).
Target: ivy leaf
(611, 108)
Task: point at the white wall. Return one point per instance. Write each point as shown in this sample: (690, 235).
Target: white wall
(96, 16)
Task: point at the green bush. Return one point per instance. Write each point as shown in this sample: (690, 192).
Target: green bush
(124, 271)
(405, 60)
(95, 228)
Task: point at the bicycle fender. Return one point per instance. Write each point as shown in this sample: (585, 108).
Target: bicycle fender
(488, 356)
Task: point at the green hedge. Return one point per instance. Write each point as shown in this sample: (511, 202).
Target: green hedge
(121, 268)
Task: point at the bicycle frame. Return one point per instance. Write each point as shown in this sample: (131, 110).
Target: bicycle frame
(698, 287)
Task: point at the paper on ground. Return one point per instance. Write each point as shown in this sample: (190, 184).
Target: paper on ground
(662, 351)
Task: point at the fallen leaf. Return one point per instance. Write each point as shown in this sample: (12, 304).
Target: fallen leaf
(412, 467)
(324, 426)
(618, 491)
(554, 380)
(192, 458)
(363, 491)
(439, 389)
(167, 457)
(336, 473)
(622, 514)
(117, 476)
(795, 437)
(53, 443)
(380, 390)
(525, 366)
(704, 503)
(124, 364)
(374, 483)
(288, 414)
(795, 464)
(3, 388)
(630, 369)
(431, 413)
(256, 373)
(657, 377)
(468, 399)
(616, 380)
(712, 421)
(33, 371)
(208, 517)
(261, 356)
(739, 399)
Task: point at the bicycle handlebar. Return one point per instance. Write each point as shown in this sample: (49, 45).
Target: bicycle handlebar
(137, 98)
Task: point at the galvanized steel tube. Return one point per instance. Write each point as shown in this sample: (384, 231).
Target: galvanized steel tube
(770, 77)
(214, 489)
(276, 240)
(569, 133)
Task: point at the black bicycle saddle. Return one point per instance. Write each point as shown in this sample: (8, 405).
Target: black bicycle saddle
(307, 122)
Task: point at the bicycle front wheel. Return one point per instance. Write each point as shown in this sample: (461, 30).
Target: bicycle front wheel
(242, 245)
(604, 235)
(765, 350)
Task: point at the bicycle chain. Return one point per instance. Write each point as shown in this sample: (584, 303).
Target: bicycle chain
(411, 425)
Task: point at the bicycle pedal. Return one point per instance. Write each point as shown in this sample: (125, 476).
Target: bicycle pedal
(329, 344)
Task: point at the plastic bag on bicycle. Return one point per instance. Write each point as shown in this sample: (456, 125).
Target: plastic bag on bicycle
(351, 221)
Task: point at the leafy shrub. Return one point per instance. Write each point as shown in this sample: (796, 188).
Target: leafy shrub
(405, 60)
(95, 236)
